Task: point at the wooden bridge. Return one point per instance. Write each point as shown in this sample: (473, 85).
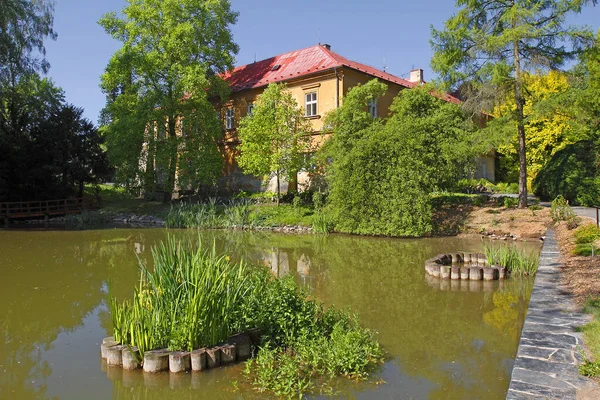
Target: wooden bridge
(45, 208)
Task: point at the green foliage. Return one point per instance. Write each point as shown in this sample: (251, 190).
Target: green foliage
(322, 223)
(487, 48)
(196, 298)
(591, 333)
(49, 151)
(25, 24)
(587, 234)
(237, 214)
(158, 107)
(188, 301)
(303, 341)
(572, 173)
(348, 351)
(509, 202)
(382, 174)
(515, 261)
(561, 211)
(274, 136)
(85, 219)
(318, 200)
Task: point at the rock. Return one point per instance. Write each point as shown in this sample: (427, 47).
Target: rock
(106, 344)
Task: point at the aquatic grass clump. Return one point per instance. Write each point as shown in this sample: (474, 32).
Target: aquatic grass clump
(199, 215)
(515, 261)
(195, 298)
(86, 218)
(187, 302)
(322, 223)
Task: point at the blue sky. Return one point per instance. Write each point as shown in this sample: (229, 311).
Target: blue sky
(376, 32)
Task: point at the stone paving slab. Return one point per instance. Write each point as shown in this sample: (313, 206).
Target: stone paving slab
(547, 361)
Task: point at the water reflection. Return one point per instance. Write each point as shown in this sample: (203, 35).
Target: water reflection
(442, 342)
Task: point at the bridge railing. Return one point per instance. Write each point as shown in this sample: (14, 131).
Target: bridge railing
(25, 209)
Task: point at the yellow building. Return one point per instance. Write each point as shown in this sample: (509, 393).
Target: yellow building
(318, 78)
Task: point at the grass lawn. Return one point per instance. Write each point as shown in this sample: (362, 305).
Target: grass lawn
(116, 200)
(284, 214)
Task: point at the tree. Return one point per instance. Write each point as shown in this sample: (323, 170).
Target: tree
(275, 136)
(167, 71)
(382, 175)
(574, 171)
(548, 129)
(24, 24)
(493, 42)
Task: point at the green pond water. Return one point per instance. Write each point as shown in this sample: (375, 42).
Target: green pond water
(443, 340)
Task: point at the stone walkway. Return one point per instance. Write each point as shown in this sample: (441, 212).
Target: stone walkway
(547, 360)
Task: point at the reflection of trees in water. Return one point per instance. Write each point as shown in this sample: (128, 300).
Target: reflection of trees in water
(456, 340)
(51, 282)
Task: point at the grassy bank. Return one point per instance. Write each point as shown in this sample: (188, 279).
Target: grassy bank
(196, 298)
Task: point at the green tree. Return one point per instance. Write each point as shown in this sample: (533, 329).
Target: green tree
(574, 171)
(492, 42)
(167, 71)
(382, 175)
(24, 24)
(275, 137)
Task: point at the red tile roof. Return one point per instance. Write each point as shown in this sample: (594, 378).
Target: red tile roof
(304, 62)
(297, 64)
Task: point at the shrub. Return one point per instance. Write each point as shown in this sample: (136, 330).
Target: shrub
(86, 219)
(561, 211)
(196, 298)
(573, 173)
(509, 202)
(587, 234)
(384, 170)
(318, 200)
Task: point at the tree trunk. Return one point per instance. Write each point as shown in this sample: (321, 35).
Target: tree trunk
(173, 156)
(278, 189)
(520, 128)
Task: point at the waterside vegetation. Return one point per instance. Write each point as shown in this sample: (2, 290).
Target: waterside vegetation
(195, 298)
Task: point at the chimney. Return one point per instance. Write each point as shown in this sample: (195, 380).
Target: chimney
(328, 47)
(416, 76)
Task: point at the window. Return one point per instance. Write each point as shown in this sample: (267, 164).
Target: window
(229, 118)
(373, 108)
(250, 108)
(310, 104)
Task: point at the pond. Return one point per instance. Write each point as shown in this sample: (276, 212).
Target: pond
(442, 341)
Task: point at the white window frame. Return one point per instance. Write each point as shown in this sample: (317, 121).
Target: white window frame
(310, 104)
(250, 108)
(229, 118)
(373, 108)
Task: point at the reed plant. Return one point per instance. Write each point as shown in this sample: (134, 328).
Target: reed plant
(516, 261)
(322, 223)
(237, 214)
(187, 301)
